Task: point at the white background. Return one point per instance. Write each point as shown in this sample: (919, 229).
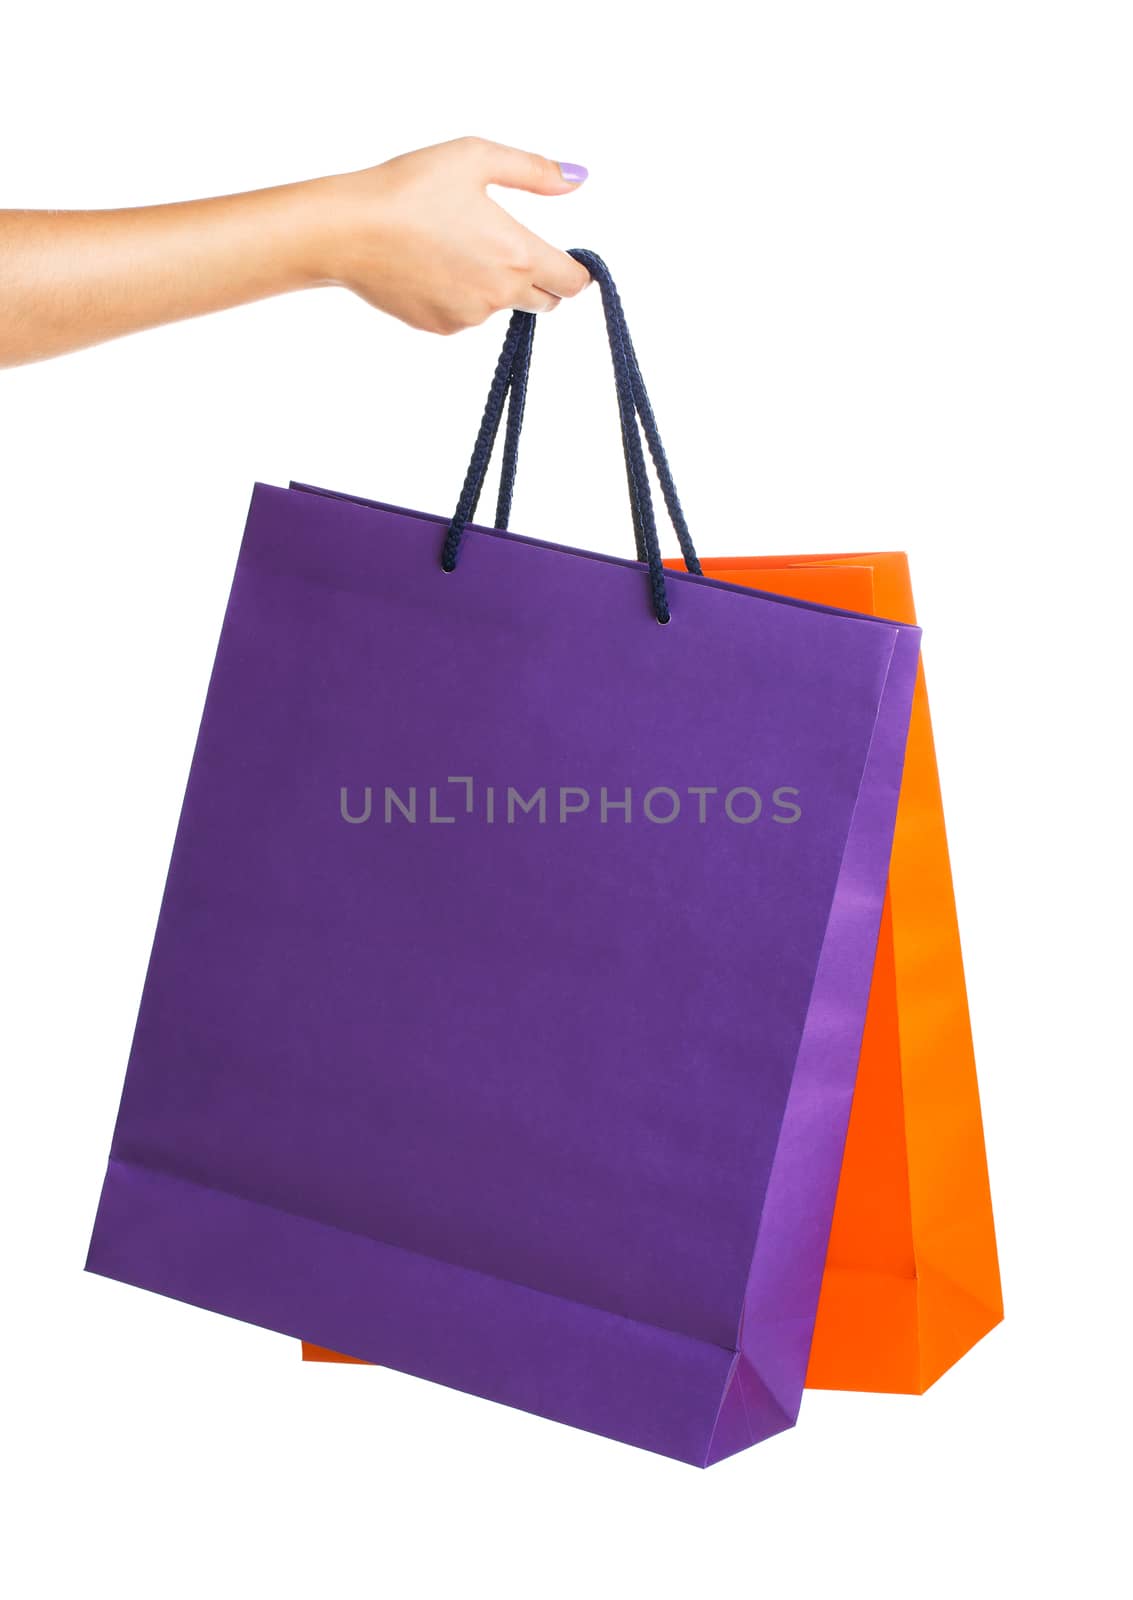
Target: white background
(876, 258)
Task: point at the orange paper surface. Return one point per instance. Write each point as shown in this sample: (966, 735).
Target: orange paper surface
(912, 1277)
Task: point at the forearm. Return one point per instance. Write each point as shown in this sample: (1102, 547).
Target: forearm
(74, 278)
(418, 237)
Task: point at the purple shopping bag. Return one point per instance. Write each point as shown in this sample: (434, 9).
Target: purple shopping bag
(504, 1008)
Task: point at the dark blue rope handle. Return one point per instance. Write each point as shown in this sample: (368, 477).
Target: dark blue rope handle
(485, 440)
(640, 494)
(660, 459)
(652, 436)
(509, 386)
(517, 399)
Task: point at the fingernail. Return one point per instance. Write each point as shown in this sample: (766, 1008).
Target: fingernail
(571, 173)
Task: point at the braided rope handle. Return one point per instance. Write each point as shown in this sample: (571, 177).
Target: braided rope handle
(649, 425)
(485, 441)
(517, 399)
(640, 495)
(509, 386)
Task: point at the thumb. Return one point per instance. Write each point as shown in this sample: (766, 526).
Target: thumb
(522, 169)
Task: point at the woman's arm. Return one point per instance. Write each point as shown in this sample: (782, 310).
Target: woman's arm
(418, 237)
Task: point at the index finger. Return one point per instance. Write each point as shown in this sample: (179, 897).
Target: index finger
(554, 271)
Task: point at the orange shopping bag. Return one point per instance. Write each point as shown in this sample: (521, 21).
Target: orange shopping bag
(912, 1277)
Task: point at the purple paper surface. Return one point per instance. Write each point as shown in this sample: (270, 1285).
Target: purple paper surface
(548, 1111)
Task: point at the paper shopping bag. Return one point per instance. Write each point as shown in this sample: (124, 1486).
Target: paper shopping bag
(912, 1278)
(503, 1012)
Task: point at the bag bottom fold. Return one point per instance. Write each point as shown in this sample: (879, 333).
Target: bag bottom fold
(573, 1363)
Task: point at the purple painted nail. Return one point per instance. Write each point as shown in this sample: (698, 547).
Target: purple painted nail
(571, 173)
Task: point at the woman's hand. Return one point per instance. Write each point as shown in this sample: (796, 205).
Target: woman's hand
(421, 238)
(418, 237)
